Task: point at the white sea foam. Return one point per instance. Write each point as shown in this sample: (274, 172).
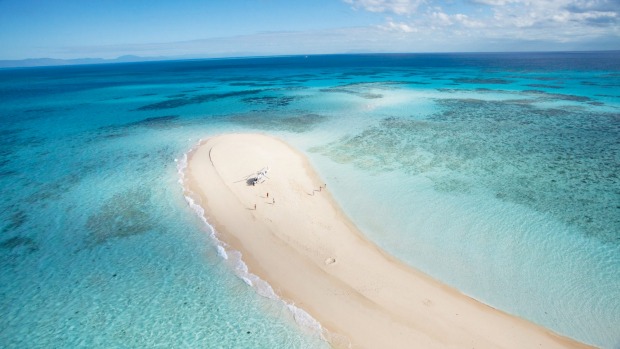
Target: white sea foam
(235, 261)
(304, 319)
(181, 166)
(222, 252)
(264, 289)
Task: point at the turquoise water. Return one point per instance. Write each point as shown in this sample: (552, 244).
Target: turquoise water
(495, 173)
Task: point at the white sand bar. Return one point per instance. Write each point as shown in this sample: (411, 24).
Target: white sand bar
(314, 257)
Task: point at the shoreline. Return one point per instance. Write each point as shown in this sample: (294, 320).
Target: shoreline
(314, 257)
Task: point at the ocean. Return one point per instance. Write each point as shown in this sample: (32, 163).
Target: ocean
(496, 173)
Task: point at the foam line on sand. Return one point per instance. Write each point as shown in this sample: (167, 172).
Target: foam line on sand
(299, 241)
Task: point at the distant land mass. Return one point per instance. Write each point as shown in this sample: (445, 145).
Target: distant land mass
(35, 62)
(38, 62)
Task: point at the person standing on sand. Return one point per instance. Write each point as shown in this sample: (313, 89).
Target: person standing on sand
(267, 194)
(254, 207)
(274, 201)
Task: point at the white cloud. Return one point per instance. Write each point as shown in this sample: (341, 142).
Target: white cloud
(467, 22)
(590, 16)
(399, 7)
(495, 2)
(525, 13)
(505, 13)
(441, 18)
(528, 24)
(398, 27)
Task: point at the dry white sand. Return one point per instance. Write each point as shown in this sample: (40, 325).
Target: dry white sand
(314, 257)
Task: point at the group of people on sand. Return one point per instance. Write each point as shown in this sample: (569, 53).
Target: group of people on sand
(273, 200)
(320, 188)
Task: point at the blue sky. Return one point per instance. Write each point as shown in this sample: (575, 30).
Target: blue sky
(216, 28)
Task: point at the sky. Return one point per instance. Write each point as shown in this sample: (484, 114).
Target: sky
(68, 29)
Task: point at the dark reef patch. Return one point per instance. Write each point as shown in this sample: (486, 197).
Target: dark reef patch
(45, 192)
(125, 214)
(179, 95)
(545, 78)
(12, 141)
(268, 121)
(183, 101)
(449, 90)
(544, 86)
(591, 83)
(124, 130)
(365, 89)
(271, 101)
(258, 79)
(155, 122)
(20, 242)
(15, 221)
(214, 96)
(114, 135)
(169, 104)
(530, 95)
(483, 81)
(252, 84)
(9, 140)
(8, 173)
(366, 73)
(42, 110)
(556, 96)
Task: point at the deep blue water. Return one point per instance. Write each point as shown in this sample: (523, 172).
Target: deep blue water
(505, 165)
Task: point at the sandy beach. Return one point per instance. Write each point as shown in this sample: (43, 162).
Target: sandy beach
(293, 235)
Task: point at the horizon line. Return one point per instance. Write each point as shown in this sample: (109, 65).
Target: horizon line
(127, 59)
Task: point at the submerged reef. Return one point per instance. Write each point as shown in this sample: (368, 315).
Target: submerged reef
(123, 215)
(562, 162)
(14, 221)
(271, 101)
(155, 122)
(270, 121)
(177, 102)
(482, 81)
(19, 241)
(365, 90)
